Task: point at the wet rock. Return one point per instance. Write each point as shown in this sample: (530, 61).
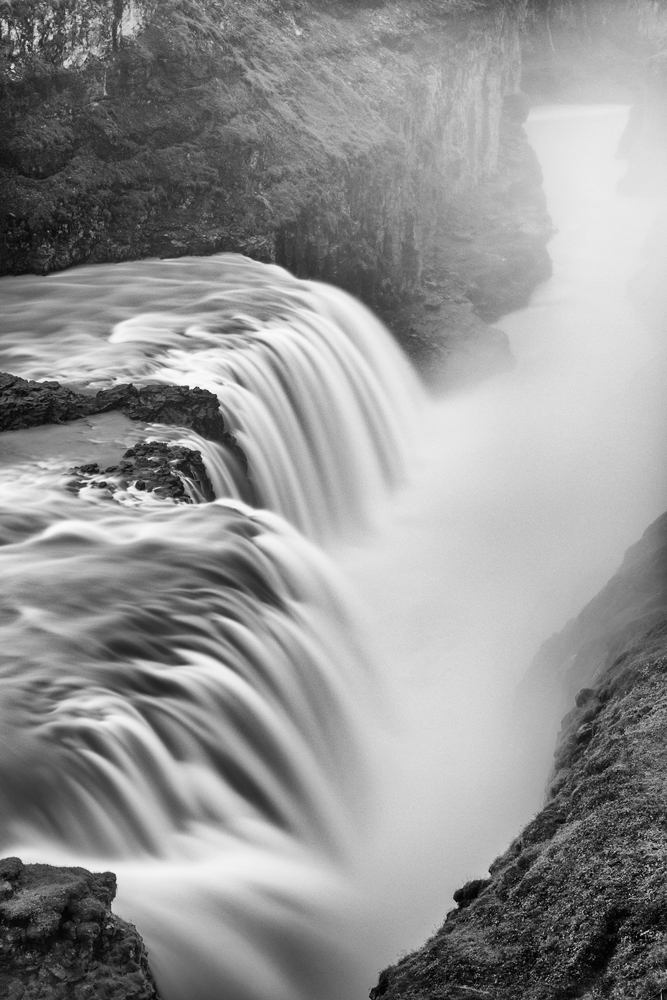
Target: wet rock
(152, 467)
(59, 939)
(576, 907)
(166, 404)
(26, 403)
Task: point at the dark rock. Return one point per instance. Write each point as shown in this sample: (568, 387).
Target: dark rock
(471, 890)
(59, 939)
(154, 467)
(354, 175)
(576, 906)
(25, 403)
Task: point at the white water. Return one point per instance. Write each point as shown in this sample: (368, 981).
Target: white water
(530, 489)
(184, 698)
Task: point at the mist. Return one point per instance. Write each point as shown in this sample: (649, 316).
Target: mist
(521, 496)
(525, 494)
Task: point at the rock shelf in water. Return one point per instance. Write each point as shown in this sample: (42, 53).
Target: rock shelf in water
(25, 403)
(153, 467)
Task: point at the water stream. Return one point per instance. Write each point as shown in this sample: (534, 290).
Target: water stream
(290, 728)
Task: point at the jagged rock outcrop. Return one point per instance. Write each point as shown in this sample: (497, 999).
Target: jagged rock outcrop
(151, 467)
(59, 939)
(577, 907)
(366, 144)
(26, 403)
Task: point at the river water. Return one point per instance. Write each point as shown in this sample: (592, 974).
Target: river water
(292, 746)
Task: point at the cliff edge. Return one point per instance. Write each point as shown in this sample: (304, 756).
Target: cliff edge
(373, 145)
(59, 939)
(577, 906)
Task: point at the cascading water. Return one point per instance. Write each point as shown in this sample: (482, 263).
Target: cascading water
(183, 694)
(184, 698)
(316, 393)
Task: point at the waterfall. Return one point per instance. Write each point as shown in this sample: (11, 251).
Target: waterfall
(188, 696)
(185, 697)
(311, 385)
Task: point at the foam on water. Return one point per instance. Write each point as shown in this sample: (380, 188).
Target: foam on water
(310, 383)
(184, 696)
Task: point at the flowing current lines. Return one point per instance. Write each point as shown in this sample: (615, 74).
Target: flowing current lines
(183, 695)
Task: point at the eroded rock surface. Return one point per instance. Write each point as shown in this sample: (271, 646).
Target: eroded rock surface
(25, 403)
(59, 939)
(577, 907)
(150, 467)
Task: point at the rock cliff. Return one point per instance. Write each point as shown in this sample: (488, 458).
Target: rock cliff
(576, 907)
(374, 145)
(59, 939)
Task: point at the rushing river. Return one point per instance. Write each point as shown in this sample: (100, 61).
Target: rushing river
(290, 727)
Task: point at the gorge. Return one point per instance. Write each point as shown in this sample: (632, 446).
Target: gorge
(286, 718)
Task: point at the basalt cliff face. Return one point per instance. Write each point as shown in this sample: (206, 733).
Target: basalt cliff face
(377, 146)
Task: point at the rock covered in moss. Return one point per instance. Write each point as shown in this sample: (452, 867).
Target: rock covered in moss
(59, 939)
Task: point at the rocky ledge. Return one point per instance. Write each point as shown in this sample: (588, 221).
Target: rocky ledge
(25, 403)
(59, 939)
(154, 467)
(167, 471)
(577, 907)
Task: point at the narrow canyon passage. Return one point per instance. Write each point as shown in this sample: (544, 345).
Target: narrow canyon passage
(527, 491)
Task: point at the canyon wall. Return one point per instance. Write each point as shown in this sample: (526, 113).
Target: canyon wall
(581, 51)
(377, 146)
(576, 907)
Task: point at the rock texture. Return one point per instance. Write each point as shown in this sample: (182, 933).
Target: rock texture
(591, 50)
(151, 467)
(577, 907)
(59, 939)
(371, 145)
(26, 403)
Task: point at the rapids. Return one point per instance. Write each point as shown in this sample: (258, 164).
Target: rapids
(289, 727)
